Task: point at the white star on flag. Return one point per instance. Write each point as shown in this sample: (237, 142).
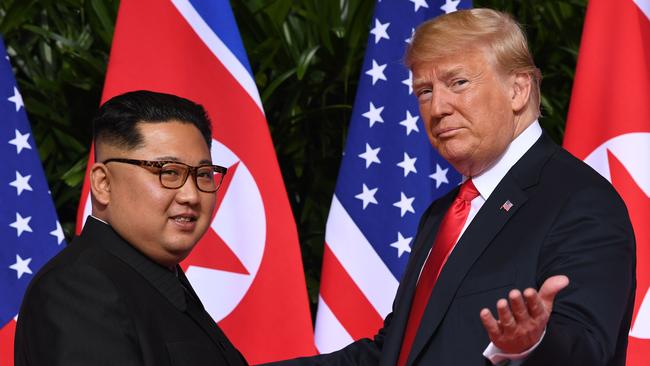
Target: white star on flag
(440, 176)
(21, 183)
(409, 82)
(367, 196)
(21, 266)
(417, 4)
(411, 123)
(408, 164)
(21, 224)
(380, 31)
(374, 115)
(405, 204)
(450, 6)
(370, 156)
(377, 72)
(58, 232)
(17, 99)
(402, 244)
(20, 141)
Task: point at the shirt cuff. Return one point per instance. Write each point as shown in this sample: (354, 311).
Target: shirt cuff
(498, 357)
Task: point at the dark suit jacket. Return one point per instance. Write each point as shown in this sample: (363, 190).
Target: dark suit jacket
(101, 302)
(566, 219)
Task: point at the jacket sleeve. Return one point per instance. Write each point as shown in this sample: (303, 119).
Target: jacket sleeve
(365, 351)
(75, 316)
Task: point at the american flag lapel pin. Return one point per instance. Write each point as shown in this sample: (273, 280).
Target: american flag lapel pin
(507, 205)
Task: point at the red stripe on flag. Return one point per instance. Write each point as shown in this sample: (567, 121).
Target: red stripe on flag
(7, 343)
(350, 306)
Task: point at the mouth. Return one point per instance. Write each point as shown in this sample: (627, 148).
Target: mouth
(447, 132)
(184, 221)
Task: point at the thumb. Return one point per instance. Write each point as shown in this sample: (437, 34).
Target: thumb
(550, 288)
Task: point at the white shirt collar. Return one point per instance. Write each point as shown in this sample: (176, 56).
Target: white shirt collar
(487, 181)
(98, 219)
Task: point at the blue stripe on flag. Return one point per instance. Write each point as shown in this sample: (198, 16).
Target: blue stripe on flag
(219, 17)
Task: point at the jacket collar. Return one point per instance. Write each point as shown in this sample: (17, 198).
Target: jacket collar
(161, 278)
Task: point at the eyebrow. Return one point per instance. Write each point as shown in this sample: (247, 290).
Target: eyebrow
(452, 72)
(446, 74)
(175, 159)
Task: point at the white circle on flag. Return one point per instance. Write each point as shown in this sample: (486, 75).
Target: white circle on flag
(241, 224)
(632, 150)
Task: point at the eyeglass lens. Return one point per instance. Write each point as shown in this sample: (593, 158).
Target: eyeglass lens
(175, 175)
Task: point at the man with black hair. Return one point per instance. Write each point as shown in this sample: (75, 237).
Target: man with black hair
(116, 295)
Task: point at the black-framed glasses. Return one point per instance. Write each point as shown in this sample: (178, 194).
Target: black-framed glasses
(173, 174)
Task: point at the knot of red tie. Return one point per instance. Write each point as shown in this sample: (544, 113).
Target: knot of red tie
(467, 191)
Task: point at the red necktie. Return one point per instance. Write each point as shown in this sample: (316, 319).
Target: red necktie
(450, 227)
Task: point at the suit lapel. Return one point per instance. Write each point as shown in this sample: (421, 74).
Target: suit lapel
(479, 235)
(198, 314)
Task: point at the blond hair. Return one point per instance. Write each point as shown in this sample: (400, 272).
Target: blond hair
(461, 31)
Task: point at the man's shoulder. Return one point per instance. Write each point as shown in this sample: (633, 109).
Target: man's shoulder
(575, 174)
(80, 261)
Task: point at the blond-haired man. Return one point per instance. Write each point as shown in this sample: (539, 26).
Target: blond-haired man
(528, 216)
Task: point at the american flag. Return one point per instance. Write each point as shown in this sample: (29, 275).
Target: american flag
(30, 231)
(388, 177)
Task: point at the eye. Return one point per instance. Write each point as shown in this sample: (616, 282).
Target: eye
(170, 171)
(458, 83)
(205, 173)
(423, 94)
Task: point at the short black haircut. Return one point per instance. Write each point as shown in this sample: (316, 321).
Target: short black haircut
(117, 120)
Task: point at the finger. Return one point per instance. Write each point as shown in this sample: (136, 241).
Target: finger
(518, 306)
(536, 308)
(506, 319)
(550, 288)
(490, 324)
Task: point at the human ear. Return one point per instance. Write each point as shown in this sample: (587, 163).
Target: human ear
(100, 183)
(520, 90)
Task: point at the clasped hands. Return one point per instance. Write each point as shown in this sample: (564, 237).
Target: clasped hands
(522, 320)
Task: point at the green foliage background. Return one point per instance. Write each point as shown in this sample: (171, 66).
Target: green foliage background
(306, 56)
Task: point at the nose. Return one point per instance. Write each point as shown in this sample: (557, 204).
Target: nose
(188, 193)
(439, 105)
